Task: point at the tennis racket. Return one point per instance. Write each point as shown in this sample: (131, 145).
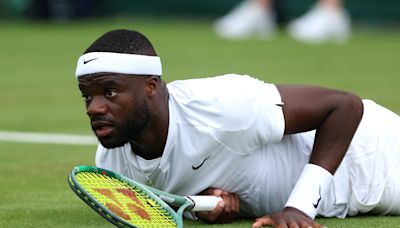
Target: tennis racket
(127, 203)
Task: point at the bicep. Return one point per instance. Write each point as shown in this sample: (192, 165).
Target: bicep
(306, 107)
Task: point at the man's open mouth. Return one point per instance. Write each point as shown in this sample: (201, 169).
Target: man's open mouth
(102, 129)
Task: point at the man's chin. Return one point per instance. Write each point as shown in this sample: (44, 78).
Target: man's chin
(110, 144)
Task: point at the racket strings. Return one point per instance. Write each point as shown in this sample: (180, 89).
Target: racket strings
(128, 202)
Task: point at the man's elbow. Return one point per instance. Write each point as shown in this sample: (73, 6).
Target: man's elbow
(354, 105)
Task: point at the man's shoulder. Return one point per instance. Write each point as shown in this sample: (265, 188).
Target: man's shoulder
(225, 79)
(228, 101)
(228, 86)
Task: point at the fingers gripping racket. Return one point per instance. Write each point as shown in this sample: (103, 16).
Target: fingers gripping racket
(127, 203)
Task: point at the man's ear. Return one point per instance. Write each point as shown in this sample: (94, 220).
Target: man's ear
(152, 84)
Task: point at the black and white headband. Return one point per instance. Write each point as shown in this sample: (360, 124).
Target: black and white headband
(98, 62)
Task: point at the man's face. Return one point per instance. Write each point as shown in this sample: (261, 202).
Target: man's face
(116, 106)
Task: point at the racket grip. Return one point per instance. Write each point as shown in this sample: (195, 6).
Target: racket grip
(204, 203)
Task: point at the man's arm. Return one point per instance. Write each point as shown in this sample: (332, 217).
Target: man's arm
(335, 116)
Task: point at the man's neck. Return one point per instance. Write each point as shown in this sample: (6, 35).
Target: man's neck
(151, 143)
(146, 151)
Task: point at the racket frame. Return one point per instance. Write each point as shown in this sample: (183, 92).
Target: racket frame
(183, 203)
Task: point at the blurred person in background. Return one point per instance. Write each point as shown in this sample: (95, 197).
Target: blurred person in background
(326, 21)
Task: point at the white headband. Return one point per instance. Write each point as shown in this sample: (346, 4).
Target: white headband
(97, 62)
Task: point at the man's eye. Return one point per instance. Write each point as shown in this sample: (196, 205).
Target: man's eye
(111, 93)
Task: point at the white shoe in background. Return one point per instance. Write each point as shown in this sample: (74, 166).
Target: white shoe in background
(321, 25)
(249, 19)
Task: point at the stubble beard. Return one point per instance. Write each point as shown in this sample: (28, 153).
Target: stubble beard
(126, 130)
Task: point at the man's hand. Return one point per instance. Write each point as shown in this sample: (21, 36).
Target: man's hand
(288, 218)
(225, 212)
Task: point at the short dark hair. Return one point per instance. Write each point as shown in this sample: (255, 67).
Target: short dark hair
(123, 41)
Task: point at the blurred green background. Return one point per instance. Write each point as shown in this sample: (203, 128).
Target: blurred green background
(362, 11)
(39, 91)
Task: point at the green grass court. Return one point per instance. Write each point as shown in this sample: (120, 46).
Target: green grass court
(39, 94)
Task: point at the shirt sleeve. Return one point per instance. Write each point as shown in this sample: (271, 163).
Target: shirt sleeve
(238, 111)
(254, 115)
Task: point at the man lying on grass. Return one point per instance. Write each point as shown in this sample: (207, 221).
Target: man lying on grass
(281, 154)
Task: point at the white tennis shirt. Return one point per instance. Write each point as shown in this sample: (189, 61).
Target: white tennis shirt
(227, 132)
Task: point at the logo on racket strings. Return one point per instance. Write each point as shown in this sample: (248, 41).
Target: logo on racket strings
(116, 202)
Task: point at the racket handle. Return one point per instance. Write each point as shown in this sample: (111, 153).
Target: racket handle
(204, 203)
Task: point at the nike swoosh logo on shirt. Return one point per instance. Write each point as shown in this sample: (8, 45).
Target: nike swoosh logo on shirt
(201, 164)
(90, 60)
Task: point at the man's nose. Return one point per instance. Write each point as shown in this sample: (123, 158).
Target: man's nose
(97, 106)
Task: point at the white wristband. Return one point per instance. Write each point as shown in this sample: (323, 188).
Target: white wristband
(313, 184)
